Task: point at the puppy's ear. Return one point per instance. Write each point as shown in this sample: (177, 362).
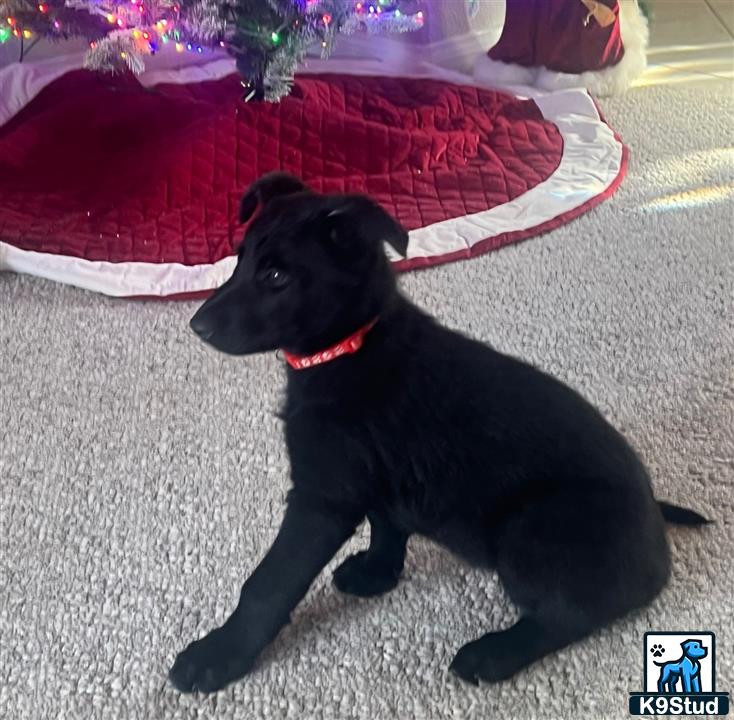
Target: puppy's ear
(372, 221)
(262, 191)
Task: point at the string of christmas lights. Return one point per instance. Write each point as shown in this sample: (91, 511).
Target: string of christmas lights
(268, 38)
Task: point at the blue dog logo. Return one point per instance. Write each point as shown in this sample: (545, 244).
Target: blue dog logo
(679, 682)
(687, 670)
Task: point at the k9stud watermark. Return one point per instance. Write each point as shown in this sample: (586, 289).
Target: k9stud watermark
(679, 671)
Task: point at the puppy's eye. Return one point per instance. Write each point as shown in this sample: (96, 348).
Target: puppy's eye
(274, 278)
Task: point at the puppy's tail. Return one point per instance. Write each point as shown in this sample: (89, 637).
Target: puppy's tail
(681, 516)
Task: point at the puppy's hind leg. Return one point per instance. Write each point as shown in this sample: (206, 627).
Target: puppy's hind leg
(571, 565)
(498, 656)
(376, 570)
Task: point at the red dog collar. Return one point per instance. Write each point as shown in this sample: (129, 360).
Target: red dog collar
(345, 347)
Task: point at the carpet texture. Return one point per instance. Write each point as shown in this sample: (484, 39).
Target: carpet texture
(143, 475)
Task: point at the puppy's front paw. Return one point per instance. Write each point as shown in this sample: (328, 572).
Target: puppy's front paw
(481, 660)
(211, 663)
(360, 575)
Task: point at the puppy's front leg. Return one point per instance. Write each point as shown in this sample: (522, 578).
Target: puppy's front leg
(309, 537)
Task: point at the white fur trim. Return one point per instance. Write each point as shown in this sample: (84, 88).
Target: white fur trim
(495, 73)
(613, 80)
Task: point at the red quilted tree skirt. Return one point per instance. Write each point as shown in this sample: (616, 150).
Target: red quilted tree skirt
(133, 191)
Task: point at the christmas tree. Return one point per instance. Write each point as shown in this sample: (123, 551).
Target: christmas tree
(268, 38)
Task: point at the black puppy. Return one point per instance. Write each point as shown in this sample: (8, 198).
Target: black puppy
(393, 418)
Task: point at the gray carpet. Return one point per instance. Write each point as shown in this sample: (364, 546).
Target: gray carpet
(143, 475)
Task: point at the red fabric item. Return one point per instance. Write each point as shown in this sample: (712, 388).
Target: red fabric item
(98, 167)
(348, 346)
(551, 33)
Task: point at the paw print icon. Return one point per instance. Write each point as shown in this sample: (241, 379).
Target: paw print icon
(657, 650)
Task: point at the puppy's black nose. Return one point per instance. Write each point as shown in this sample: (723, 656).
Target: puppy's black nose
(201, 327)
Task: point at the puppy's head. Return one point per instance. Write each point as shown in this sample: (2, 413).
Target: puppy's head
(311, 270)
